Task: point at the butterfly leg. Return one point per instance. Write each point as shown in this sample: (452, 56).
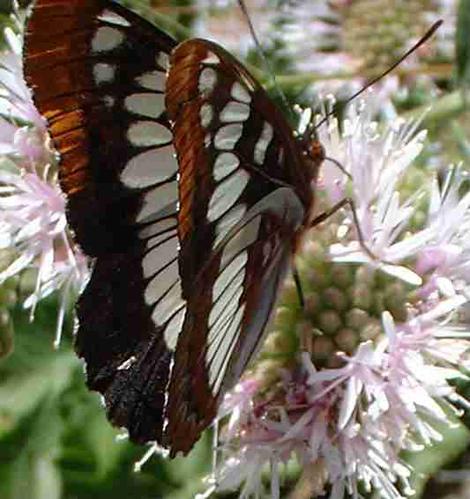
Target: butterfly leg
(338, 165)
(338, 206)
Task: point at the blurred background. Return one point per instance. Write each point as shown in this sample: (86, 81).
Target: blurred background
(54, 439)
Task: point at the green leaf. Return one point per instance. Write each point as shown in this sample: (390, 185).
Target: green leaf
(100, 438)
(6, 333)
(187, 472)
(29, 454)
(429, 461)
(21, 394)
(462, 42)
(196, 463)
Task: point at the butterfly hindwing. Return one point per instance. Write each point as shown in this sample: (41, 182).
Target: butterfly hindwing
(243, 197)
(98, 72)
(227, 312)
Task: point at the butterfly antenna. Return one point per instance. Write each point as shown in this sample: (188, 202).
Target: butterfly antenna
(266, 62)
(371, 82)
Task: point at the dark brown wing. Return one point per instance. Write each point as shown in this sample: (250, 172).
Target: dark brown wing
(98, 72)
(244, 197)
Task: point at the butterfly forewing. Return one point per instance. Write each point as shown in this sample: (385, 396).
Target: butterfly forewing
(98, 74)
(243, 197)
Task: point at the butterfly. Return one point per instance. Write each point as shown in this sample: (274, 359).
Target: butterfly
(190, 193)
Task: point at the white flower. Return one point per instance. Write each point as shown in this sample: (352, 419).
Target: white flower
(355, 419)
(447, 256)
(33, 214)
(32, 207)
(15, 98)
(389, 394)
(376, 162)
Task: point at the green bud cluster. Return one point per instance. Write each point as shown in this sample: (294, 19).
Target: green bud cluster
(343, 307)
(416, 177)
(377, 32)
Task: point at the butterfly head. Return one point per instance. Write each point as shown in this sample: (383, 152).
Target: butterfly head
(307, 138)
(313, 153)
(316, 151)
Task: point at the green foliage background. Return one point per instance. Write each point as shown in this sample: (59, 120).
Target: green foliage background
(55, 442)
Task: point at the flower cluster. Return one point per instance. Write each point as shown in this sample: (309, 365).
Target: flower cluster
(365, 369)
(33, 228)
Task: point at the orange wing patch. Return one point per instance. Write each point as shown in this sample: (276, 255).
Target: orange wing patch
(183, 104)
(57, 41)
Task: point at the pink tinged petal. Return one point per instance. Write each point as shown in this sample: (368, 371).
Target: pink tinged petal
(435, 375)
(275, 484)
(442, 308)
(60, 318)
(350, 253)
(365, 353)
(403, 273)
(430, 258)
(308, 364)
(409, 246)
(5, 241)
(17, 266)
(284, 419)
(451, 351)
(460, 401)
(7, 130)
(378, 454)
(46, 263)
(378, 407)
(13, 40)
(253, 485)
(350, 401)
(11, 178)
(30, 230)
(6, 149)
(338, 490)
(304, 121)
(17, 201)
(409, 153)
(445, 286)
(427, 432)
(231, 475)
(5, 234)
(30, 144)
(319, 433)
(423, 399)
(277, 427)
(233, 422)
(389, 327)
(326, 375)
(298, 428)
